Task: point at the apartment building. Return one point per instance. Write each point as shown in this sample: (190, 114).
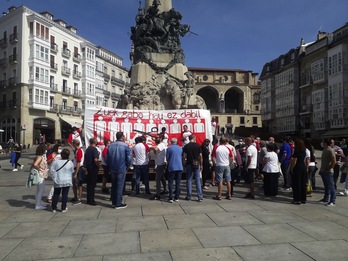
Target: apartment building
(316, 89)
(231, 95)
(49, 74)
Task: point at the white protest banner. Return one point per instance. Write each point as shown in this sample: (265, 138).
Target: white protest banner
(103, 123)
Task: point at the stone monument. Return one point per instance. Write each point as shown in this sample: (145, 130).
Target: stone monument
(159, 78)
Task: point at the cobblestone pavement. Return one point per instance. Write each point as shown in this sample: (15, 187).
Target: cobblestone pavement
(241, 229)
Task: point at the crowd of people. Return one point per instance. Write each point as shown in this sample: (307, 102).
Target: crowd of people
(221, 161)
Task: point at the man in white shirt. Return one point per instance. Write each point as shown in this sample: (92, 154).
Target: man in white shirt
(250, 167)
(160, 161)
(222, 157)
(141, 153)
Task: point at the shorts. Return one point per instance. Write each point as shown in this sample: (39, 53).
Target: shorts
(80, 177)
(213, 167)
(222, 172)
(249, 176)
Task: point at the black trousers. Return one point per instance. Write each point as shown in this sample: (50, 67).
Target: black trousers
(91, 180)
(299, 185)
(270, 184)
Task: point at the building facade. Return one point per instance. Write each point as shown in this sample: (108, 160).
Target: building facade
(49, 74)
(315, 87)
(231, 95)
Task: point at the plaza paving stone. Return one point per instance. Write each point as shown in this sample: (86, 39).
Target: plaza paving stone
(261, 229)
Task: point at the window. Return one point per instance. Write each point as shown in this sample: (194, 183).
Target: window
(255, 120)
(229, 119)
(242, 120)
(41, 31)
(65, 102)
(41, 96)
(335, 63)
(41, 74)
(51, 101)
(105, 103)
(317, 70)
(76, 106)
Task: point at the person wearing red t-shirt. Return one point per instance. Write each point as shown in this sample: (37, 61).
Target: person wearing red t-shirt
(215, 145)
(74, 135)
(78, 176)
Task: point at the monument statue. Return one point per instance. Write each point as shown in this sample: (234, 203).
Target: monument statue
(159, 77)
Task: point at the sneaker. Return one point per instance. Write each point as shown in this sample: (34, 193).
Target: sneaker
(77, 202)
(22, 166)
(287, 189)
(142, 186)
(330, 204)
(73, 200)
(54, 210)
(15, 170)
(49, 200)
(205, 188)
(92, 203)
(323, 200)
(170, 201)
(121, 206)
(155, 197)
(65, 210)
(176, 200)
(187, 198)
(200, 200)
(40, 207)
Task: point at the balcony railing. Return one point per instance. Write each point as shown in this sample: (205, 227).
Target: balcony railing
(66, 90)
(77, 75)
(106, 93)
(13, 38)
(66, 52)
(76, 93)
(77, 111)
(65, 109)
(116, 80)
(12, 58)
(54, 66)
(106, 76)
(3, 62)
(12, 81)
(54, 107)
(115, 96)
(77, 57)
(3, 84)
(54, 47)
(54, 87)
(3, 43)
(66, 70)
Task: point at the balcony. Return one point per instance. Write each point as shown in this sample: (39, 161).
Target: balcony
(54, 66)
(3, 62)
(76, 93)
(66, 71)
(3, 84)
(54, 107)
(12, 81)
(53, 87)
(66, 52)
(77, 75)
(3, 43)
(12, 104)
(65, 109)
(77, 111)
(77, 57)
(115, 96)
(12, 59)
(115, 80)
(306, 109)
(66, 90)
(54, 47)
(106, 77)
(14, 38)
(3, 105)
(106, 93)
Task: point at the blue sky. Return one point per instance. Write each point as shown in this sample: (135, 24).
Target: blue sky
(243, 34)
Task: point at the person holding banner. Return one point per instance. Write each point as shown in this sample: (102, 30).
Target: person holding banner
(185, 135)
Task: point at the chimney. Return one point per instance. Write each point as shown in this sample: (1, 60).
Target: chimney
(72, 28)
(321, 35)
(11, 8)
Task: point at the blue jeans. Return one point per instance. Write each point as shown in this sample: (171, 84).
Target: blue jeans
(195, 173)
(55, 198)
(117, 184)
(329, 186)
(142, 171)
(177, 176)
(286, 175)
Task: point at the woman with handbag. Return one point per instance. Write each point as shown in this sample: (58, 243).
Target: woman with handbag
(40, 164)
(61, 172)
